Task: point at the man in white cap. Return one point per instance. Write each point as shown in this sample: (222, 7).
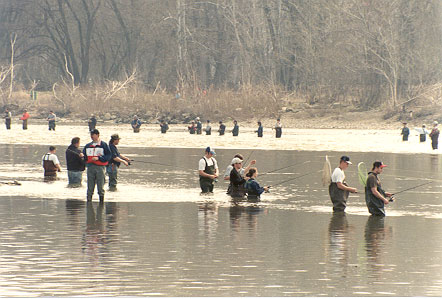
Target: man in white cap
(208, 171)
(434, 135)
(338, 189)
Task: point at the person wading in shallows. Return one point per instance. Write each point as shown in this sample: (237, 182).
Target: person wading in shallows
(375, 196)
(208, 171)
(338, 189)
(75, 163)
(114, 163)
(51, 164)
(97, 155)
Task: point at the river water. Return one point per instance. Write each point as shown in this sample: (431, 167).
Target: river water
(156, 236)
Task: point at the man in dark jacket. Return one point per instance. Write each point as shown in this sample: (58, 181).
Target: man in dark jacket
(92, 123)
(434, 135)
(114, 163)
(75, 163)
(375, 197)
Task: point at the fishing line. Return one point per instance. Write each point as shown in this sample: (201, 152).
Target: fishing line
(295, 178)
(283, 168)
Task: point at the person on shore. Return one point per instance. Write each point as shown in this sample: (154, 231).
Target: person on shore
(136, 124)
(51, 120)
(423, 132)
(405, 132)
(434, 135)
(25, 118)
(237, 180)
(338, 188)
(114, 163)
(235, 130)
(192, 128)
(375, 196)
(199, 126)
(278, 128)
(164, 127)
(208, 171)
(75, 163)
(222, 128)
(51, 164)
(92, 122)
(8, 117)
(254, 190)
(260, 129)
(97, 155)
(208, 128)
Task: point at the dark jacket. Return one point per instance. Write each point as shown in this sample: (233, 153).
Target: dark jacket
(115, 154)
(73, 161)
(237, 182)
(101, 151)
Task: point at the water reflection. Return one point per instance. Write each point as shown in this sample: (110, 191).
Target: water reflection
(74, 209)
(248, 213)
(339, 241)
(375, 235)
(208, 219)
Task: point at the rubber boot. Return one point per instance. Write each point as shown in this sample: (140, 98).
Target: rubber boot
(101, 198)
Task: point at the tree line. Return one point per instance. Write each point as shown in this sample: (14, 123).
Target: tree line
(369, 51)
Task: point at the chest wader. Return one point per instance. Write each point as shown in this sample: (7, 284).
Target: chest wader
(422, 137)
(206, 183)
(49, 167)
(238, 191)
(278, 132)
(375, 205)
(338, 197)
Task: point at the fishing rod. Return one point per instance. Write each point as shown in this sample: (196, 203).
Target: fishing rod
(413, 187)
(280, 183)
(283, 168)
(156, 163)
(244, 163)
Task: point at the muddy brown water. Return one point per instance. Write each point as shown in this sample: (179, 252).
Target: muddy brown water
(156, 236)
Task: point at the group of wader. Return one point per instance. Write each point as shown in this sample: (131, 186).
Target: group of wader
(423, 132)
(375, 197)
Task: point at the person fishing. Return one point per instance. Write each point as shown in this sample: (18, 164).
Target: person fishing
(254, 190)
(92, 122)
(51, 120)
(51, 164)
(75, 163)
(115, 161)
(208, 128)
(25, 118)
(199, 126)
(136, 124)
(164, 127)
(338, 188)
(208, 171)
(375, 196)
(423, 132)
(235, 130)
(192, 128)
(237, 181)
(434, 135)
(222, 128)
(241, 172)
(8, 117)
(96, 155)
(260, 129)
(405, 132)
(278, 128)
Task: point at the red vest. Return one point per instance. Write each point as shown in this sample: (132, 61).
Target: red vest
(95, 151)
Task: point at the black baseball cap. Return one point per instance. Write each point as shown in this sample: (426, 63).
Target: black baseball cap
(346, 159)
(95, 131)
(379, 164)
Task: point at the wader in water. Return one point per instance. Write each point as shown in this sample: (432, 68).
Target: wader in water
(237, 191)
(206, 183)
(434, 138)
(51, 124)
(278, 132)
(50, 169)
(375, 205)
(338, 197)
(422, 137)
(25, 124)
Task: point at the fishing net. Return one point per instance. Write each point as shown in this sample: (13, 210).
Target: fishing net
(326, 172)
(362, 173)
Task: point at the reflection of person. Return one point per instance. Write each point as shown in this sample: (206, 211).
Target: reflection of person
(338, 238)
(434, 135)
(254, 190)
(375, 196)
(375, 233)
(51, 164)
(208, 171)
(405, 132)
(75, 162)
(97, 155)
(114, 163)
(136, 124)
(338, 188)
(25, 118)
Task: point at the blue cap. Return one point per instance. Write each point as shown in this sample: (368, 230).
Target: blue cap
(210, 151)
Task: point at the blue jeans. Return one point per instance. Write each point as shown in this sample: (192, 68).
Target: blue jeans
(74, 177)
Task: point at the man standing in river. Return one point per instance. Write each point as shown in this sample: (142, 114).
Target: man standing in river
(375, 196)
(434, 135)
(115, 161)
(97, 155)
(208, 171)
(338, 189)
